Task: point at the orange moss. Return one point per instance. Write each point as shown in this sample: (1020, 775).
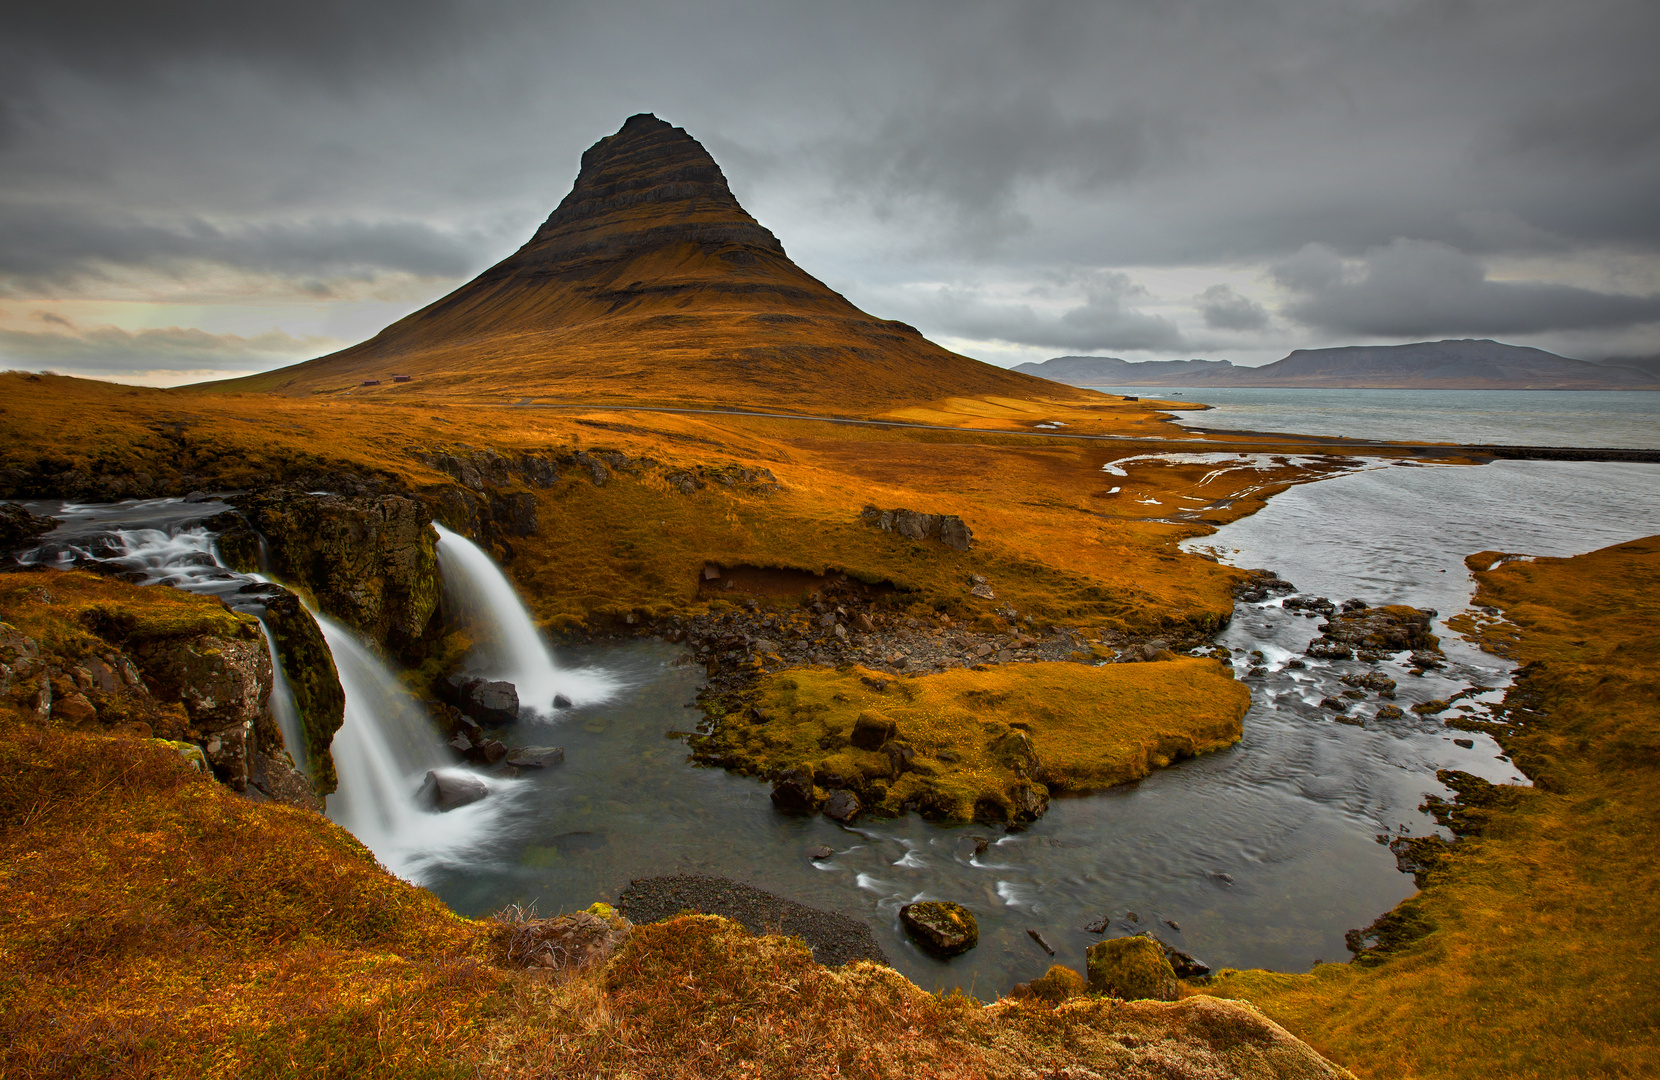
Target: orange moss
(979, 735)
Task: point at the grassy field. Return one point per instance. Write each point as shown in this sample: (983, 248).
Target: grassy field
(1531, 950)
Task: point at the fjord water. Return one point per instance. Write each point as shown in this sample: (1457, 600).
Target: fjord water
(1612, 418)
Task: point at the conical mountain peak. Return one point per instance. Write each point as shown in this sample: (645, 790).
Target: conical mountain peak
(650, 283)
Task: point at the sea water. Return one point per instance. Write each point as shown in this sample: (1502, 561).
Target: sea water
(1603, 418)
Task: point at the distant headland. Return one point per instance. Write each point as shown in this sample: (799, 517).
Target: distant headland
(1468, 364)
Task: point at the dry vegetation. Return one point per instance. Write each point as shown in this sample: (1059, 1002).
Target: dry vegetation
(978, 736)
(1530, 951)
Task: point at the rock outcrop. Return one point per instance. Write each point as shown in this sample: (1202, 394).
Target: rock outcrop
(370, 561)
(223, 684)
(18, 527)
(312, 679)
(948, 529)
(1369, 633)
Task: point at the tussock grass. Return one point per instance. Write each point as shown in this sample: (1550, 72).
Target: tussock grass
(1529, 951)
(978, 735)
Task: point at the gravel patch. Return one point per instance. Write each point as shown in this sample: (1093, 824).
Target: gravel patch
(835, 939)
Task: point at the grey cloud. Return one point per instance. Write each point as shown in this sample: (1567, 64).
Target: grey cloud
(110, 350)
(1225, 309)
(1416, 288)
(46, 247)
(1106, 320)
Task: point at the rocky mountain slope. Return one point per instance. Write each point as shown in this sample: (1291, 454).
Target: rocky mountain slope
(650, 282)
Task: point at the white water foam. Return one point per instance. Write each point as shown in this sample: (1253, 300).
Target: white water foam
(382, 753)
(510, 645)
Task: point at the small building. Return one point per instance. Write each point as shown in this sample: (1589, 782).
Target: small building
(369, 382)
(400, 378)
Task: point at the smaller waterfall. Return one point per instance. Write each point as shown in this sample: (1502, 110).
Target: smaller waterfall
(282, 706)
(381, 753)
(510, 645)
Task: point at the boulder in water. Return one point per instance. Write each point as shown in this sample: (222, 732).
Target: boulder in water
(560, 701)
(448, 790)
(492, 703)
(941, 927)
(535, 757)
(1131, 968)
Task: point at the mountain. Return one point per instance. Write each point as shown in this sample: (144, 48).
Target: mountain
(1469, 364)
(1111, 371)
(1649, 364)
(650, 282)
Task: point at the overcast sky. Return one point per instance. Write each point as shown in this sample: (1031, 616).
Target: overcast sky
(190, 188)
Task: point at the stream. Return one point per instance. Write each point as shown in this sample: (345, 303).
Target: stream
(1262, 855)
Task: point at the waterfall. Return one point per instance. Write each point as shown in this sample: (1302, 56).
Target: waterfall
(509, 644)
(282, 707)
(381, 754)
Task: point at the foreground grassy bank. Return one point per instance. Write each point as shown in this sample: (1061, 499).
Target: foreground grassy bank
(155, 924)
(1531, 950)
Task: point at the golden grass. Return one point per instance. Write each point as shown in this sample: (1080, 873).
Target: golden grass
(73, 613)
(1089, 727)
(1054, 542)
(154, 925)
(1537, 955)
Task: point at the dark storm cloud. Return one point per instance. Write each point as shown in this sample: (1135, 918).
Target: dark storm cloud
(1106, 320)
(1421, 288)
(1225, 309)
(46, 247)
(891, 147)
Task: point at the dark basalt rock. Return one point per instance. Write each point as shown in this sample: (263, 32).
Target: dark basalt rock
(1380, 630)
(490, 703)
(309, 667)
(19, 528)
(872, 731)
(842, 805)
(535, 757)
(948, 529)
(445, 791)
(940, 926)
(793, 793)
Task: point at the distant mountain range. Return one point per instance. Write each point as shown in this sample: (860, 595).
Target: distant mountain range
(1469, 364)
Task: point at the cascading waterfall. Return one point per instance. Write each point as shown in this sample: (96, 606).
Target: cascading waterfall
(382, 752)
(510, 645)
(386, 744)
(282, 707)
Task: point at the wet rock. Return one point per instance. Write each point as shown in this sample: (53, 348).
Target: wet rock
(488, 752)
(312, 679)
(1431, 707)
(273, 776)
(842, 805)
(940, 927)
(818, 853)
(948, 529)
(1183, 964)
(1372, 680)
(370, 560)
(560, 701)
(535, 757)
(872, 731)
(1389, 712)
(20, 528)
(1325, 648)
(1131, 968)
(1383, 630)
(793, 793)
(1424, 659)
(445, 791)
(1312, 604)
(490, 703)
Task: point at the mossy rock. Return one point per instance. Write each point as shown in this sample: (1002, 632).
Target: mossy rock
(1131, 968)
(941, 927)
(1057, 984)
(313, 680)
